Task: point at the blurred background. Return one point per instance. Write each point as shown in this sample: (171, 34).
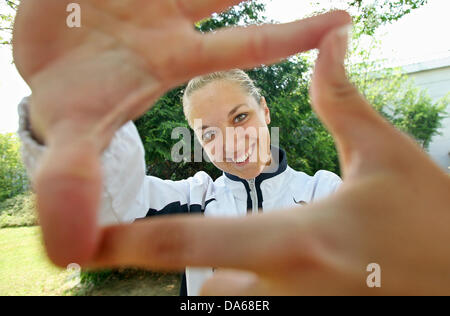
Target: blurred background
(399, 59)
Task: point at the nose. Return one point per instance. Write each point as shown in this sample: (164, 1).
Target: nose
(229, 148)
(234, 143)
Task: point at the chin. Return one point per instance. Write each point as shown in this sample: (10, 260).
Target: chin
(248, 173)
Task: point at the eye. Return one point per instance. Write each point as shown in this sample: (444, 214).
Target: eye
(240, 118)
(208, 136)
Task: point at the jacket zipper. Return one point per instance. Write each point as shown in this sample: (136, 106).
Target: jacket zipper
(253, 196)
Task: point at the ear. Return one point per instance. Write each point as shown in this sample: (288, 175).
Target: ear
(266, 110)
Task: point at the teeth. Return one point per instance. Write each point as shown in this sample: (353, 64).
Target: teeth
(244, 158)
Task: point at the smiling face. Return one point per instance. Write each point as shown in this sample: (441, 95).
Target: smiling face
(231, 126)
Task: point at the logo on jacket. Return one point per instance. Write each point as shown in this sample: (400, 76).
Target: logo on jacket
(299, 202)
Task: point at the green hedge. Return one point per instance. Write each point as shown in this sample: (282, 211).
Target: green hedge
(18, 211)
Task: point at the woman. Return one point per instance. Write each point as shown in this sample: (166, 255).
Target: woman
(88, 82)
(256, 177)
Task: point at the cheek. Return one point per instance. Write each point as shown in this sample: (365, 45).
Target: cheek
(258, 120)
(214, 151)
(263, 142)
(257, 130)
(264, 146)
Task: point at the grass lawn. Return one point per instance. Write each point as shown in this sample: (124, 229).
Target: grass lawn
(134, 283)
(25, 270)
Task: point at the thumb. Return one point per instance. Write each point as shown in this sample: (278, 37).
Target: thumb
(356, 127)
(68, 187)
(233, 283)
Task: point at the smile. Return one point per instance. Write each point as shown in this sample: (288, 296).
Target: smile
(245, 158)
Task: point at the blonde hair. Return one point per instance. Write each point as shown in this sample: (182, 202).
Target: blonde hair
(235, 75)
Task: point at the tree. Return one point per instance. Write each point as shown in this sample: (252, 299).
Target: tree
(409, 108)
(156, 126)
(309, 146)
(285, 86)
(369, 15)
(373, 14)
(6, 20)
(397, 98)
(13, 177)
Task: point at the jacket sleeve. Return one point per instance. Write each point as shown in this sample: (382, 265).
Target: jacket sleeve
(325, 184)
(128, 194)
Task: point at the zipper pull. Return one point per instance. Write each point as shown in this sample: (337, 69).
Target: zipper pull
(253, 196)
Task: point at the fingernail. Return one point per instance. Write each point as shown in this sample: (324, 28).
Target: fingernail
(344, 34)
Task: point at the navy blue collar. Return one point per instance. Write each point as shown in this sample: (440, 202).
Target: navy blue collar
(282, 166)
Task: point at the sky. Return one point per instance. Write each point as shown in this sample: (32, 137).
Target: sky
(421, 35)
(418, 36)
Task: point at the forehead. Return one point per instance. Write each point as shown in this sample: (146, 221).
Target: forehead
(216, 99)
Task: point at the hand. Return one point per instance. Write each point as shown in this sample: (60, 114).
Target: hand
(88, 81)
(393, 210)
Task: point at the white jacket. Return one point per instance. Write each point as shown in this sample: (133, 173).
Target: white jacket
(129, 194)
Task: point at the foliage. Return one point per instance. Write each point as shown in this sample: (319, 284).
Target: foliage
(397, 98)
(13, 178)
(18, 211)
(416, 114)
(285, 86)
(246, 13)
(155, 127)
(6, 20)
(373, 14)
(12, 4)
(369, 15)
(309, 146)
(128, 282)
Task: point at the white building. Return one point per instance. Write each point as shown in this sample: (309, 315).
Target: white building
(435, 77)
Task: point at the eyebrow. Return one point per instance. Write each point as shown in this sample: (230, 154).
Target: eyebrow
(234, 110)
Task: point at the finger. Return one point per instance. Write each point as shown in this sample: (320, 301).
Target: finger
(364, 139)
(196, 10)
(297, 282)
(255, 45)
(233, 283)
(259, 243)
(145, 12)
(68, 187)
